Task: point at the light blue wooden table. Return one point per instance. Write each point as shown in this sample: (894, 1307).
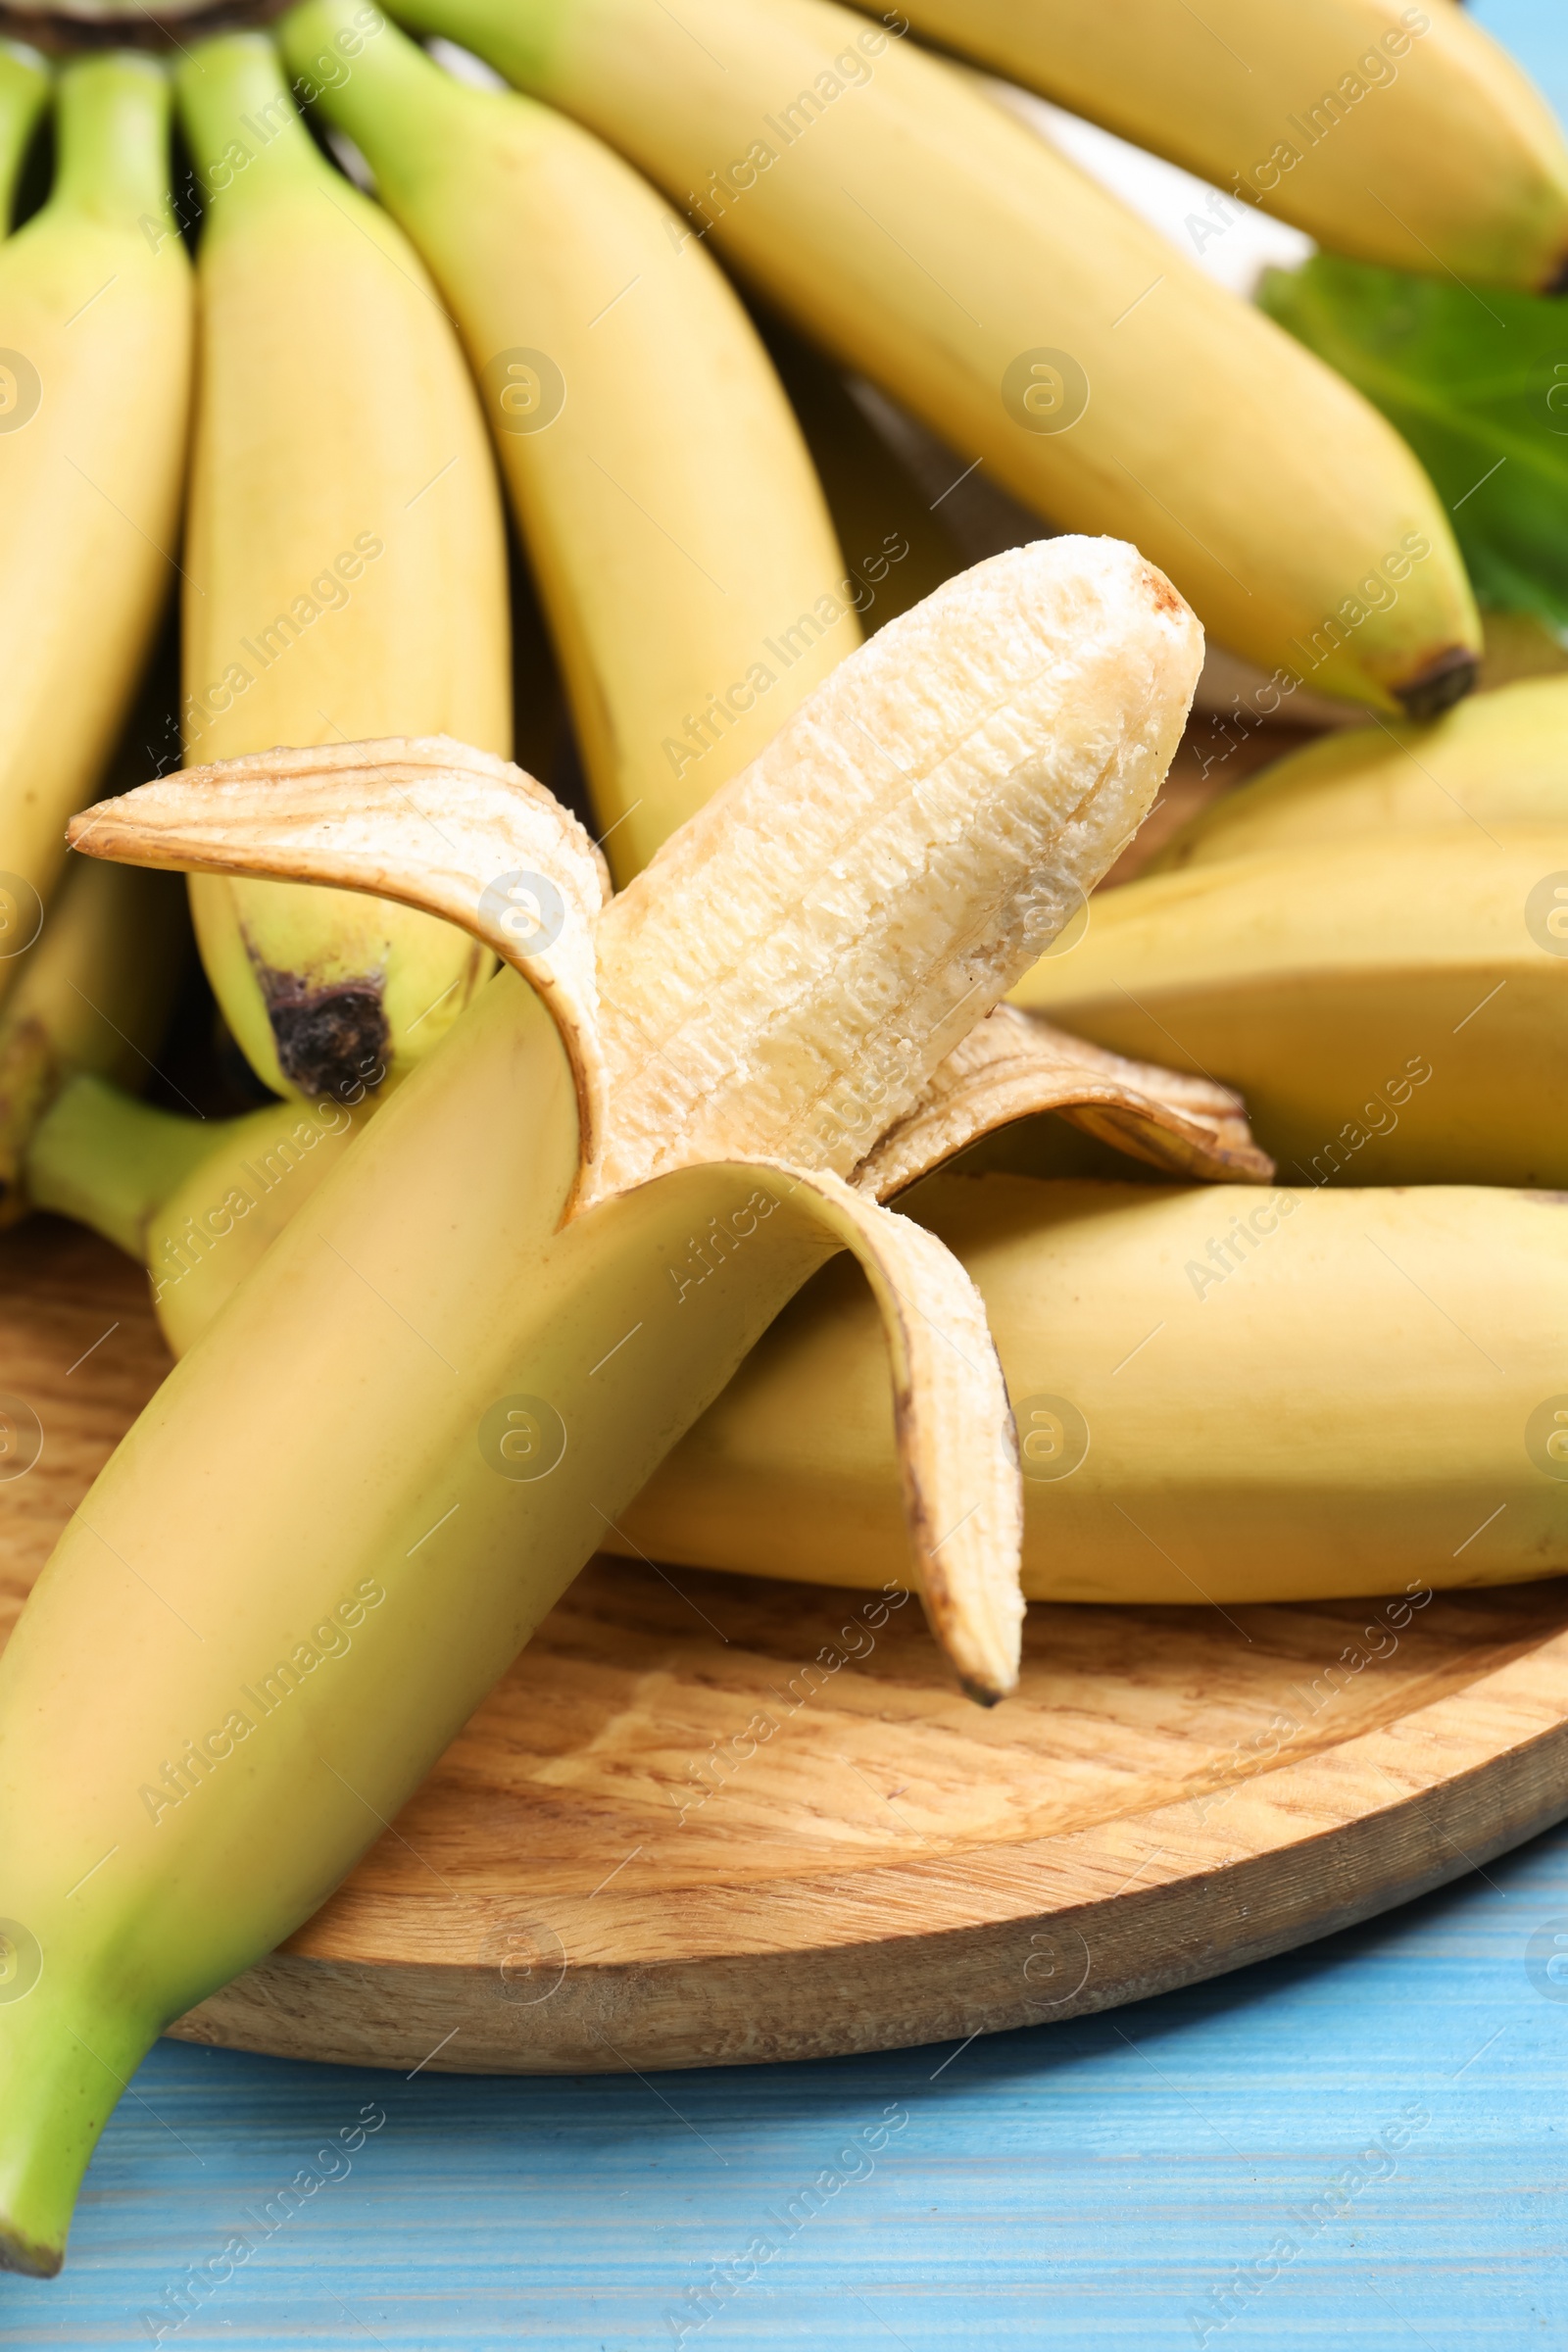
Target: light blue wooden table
(1192, 2171)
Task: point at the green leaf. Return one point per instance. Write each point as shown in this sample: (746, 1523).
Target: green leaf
(1478, 385)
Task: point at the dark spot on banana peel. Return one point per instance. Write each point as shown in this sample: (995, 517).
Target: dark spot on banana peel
(330, 1041)
(1440, 683)
(1555, 280)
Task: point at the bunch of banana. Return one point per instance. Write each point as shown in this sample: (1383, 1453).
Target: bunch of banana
(23, 94)
(93, 994)
(942, 249)
(540, 1264)
(346, 561)
(1499, 760)
(677, 533)
(1393, 1012)
(94, 391)
(1399, 133)
(1221, 1395)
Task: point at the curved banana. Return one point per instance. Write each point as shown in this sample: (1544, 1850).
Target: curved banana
(938, 246)
(23, 95)
(347, 563)
(543, 1260)
(677, 531)
(1393, 1012)
(95, 328)
(1499, 760)
(1194, 1425)
(1405, 135)
(93, 994)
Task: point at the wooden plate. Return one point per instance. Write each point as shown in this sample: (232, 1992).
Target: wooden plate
(708, 1819)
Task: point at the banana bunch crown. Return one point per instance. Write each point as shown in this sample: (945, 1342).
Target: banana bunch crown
(786, 980)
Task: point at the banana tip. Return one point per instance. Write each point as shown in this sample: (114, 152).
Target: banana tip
(27, 2255)
(1440, 683)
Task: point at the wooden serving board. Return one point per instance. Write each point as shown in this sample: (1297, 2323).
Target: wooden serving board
(709, 1819)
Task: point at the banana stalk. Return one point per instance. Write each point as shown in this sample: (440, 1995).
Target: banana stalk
(941, 248)
(23, 95)
(196, 1202)
(1499, 760)
(1192, 1425)
(347, 561)
(1404, 135)
(677, 531)
(546, 1257)
(93, 996)
(95, 325)
(1393, 1011)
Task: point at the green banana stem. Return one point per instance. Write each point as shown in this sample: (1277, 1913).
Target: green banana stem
(110, 1162)
(112, 115)
(242, 128)
(24, 94)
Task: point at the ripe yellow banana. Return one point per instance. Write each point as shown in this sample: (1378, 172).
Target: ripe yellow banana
(1393, 1011)
(1402, 135)
(542, 1261)
(940, 247)
(93, 994)
(678, 535)
(196, 1202)
(94, 392)
(346, 560)
(1194, 1424)
(1499, 760)
(24, 94)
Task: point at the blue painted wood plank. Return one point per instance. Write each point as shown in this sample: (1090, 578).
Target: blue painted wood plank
(1363, 2145)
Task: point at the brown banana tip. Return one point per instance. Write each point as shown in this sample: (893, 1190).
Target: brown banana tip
(1556, 279)
(984, 1694)
(1444, 681)
(24, 2254)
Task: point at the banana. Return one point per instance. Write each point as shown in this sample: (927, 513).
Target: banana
(938, 246)
(196, 1202)
(93, 994)
(1393, 1011)
(351, 1502)
(95, 328)
(347, 563)
(677, 533)
(23, 94)
(1192, 1425)
(1401, 135)
(1499, 760)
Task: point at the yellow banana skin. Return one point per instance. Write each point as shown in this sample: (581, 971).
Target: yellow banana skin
(1393, 1011)
(1221, 1395)
(197, 1202)
(346, 539)
(1404, 135)
(677, 532)
(941, 248)
(94, 293)
(94, 994)
(1498, 760)
(23, 94)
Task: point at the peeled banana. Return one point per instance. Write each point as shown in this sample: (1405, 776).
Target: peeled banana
(935, 244)
(677, 531)
(1401, 135)
(347, 561)
(1393, 1011)
(1222, 1396)
(23, 94)
(95, 326)
(351, 1502)
(1499, 760)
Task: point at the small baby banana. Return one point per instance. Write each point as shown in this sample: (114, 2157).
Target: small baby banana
(349, 1505)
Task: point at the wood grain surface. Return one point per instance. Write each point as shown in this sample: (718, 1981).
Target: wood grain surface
(706, 1819)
